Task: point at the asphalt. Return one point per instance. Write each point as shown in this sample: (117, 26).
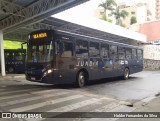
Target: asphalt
(152, 104)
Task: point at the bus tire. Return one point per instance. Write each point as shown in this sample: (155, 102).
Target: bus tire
(126, 74)
(81, 79)
(10, 70)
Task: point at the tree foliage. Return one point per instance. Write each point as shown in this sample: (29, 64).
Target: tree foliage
(104, 17)
(111, 5)
(133, 20)
(118, 14)
(107, 5)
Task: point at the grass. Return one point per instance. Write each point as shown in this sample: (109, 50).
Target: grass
(8, 44)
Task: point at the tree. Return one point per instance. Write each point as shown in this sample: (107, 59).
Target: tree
(118, 14)
(104, 17)
(107, 5)
(133, 20)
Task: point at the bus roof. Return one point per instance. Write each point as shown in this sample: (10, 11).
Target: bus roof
(102, 40)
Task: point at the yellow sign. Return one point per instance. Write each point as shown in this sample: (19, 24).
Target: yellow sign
(40, 35)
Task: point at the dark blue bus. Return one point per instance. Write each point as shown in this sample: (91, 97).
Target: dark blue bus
(58, 57)
(15, 60)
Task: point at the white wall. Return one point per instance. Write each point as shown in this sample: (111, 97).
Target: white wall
(151, 52)
(141, 12)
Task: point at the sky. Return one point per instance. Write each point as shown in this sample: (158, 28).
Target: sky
(85, 10)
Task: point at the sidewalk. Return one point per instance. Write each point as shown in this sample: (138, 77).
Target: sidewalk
(11, 76)
(152, 106)
(12, 79)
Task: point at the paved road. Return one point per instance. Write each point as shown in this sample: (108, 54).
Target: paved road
(139, 86)
(18, 95)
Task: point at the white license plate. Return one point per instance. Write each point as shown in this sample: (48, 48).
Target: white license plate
(33, 78)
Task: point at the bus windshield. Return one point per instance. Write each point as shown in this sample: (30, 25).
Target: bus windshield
(40, 53)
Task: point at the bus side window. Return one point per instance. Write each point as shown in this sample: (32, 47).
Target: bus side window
(18, 56)
(104, 50)
(128, 53)
(140, 54)
(113, 52)
(11, 56)
(81, 48)
(121, 53)
(67, 49)
(6, 55)
(134, 53)
(94, 49)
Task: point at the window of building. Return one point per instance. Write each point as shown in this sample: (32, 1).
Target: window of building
(133, 13)
(81, 48)
(128, 53)
(109, 15)
(121, 53)
(113, 52)
(105, 51)
(134, 53)
(94, 49)
(101, 13)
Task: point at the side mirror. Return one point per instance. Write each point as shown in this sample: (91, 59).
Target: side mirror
(23, 44)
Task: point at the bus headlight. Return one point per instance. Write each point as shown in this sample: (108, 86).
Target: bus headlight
(49, 71)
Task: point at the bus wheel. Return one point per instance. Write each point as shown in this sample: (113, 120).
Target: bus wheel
(11, 70)
(126, 74)
(81, 79)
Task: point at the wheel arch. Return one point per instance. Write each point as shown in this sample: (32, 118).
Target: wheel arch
(124, 74)
(128, 68)
(85, 71)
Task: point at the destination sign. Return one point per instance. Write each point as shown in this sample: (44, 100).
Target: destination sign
(40, 35)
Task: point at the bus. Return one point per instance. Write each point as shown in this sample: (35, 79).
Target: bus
(15, 60)
(58, 57)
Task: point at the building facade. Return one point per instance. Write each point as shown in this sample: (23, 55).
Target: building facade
(99, 12)
(140, 11)
(157, 9)
(152, 47)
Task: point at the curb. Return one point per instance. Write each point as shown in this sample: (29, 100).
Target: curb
(12, 76)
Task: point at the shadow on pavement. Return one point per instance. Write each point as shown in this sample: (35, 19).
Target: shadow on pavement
(65, 86)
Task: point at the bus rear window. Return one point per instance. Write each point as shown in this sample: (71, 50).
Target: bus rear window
(134, 53)
(140, 54)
